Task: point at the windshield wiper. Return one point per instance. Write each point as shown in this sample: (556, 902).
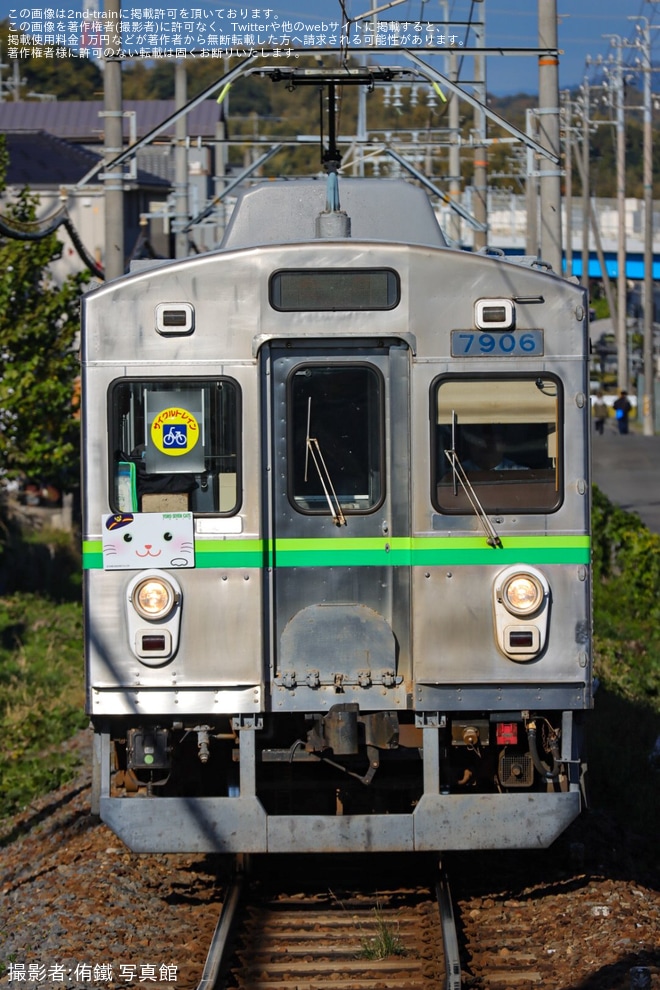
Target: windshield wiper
(313, 448)
(492, 539)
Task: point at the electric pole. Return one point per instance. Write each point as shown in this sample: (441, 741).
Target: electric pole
(180, 161)
(584, 176)
(621, 325)
(480, 162)
(648, 403)
(113, 190)
(568, 144)
(550, 177)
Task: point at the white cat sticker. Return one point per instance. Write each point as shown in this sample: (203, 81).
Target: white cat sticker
(136, 540)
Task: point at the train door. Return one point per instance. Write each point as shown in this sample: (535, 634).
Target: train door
(337, 464)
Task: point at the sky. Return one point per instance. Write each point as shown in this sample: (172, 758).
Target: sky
(512, 23)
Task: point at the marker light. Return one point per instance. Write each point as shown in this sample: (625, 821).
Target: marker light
(522, 594)
(175, 318)
(154, 598)
(494, 314)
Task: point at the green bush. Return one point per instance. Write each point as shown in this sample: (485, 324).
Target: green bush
(626, 582)
(41, 695)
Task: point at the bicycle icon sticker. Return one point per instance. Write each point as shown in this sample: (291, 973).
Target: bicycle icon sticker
(175, 436)
(174, 431)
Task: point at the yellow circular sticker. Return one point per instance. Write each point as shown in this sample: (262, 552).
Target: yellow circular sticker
(175, 431)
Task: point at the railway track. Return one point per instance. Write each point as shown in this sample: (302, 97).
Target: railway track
(272, 936)
(359, 925)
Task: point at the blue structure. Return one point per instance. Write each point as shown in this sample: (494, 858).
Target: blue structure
(634, 265)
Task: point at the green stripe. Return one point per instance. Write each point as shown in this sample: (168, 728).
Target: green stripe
(457, 551)
(438, 551)
(427, 551)
(92, 554)
(229, 553)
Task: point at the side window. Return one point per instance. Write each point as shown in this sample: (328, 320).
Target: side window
(174, 446)
(505, 434)
(335, 438)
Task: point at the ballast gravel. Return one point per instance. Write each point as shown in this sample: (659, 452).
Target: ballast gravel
(78, 910)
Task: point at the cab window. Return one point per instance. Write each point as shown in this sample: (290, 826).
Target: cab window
(335, 438)
(505, 434)
(174, 446)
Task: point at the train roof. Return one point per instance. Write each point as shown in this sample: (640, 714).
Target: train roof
(285, 211)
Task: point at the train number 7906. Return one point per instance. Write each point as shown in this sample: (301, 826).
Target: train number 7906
(470, 343)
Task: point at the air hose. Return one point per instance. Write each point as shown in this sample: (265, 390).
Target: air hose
(546, 772)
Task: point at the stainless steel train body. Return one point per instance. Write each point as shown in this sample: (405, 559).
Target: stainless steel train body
(336, 547)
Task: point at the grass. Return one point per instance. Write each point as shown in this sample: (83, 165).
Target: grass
(41, 695)
(384, 943)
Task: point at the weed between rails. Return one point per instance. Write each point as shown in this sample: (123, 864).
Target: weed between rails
(384, 943)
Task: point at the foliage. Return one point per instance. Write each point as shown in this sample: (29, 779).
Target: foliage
(625, 723)
(257, 105)
(602, 160)
(384, 943)
(626, 559)
(39, 427)
(41, 695)
(45, 560)
(69, 78)
(142, 81)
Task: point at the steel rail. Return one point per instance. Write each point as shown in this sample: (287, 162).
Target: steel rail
(219, 942)
(449, 937)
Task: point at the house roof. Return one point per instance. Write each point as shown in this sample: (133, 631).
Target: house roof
(40, 160)
(79, 120)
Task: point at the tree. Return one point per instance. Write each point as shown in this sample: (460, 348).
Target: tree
(69, 78)
(39, 406)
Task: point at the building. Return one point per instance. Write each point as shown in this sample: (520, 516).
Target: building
(53, 145)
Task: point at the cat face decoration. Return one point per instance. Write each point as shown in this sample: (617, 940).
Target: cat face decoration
(135, 541)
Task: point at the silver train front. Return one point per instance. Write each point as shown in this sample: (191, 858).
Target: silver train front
(314, 620)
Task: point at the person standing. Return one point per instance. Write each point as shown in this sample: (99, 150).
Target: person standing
(600, 413)
(622, 409)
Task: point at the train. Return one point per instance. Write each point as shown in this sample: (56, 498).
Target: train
(336, 546)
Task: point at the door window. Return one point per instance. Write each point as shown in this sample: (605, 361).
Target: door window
(335, 438)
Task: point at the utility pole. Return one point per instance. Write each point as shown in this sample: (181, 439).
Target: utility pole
(648, 403)
(568, 144)
(480, 180)
(550, 177)
(584, 174)
(532, 245)
(180, 161)
(616, 73)
(113, 193)
(454, 150)
(451, 66)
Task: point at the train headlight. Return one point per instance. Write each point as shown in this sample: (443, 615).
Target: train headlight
(154, 598)
(521, 610)
(153, 602)
(522, 594)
